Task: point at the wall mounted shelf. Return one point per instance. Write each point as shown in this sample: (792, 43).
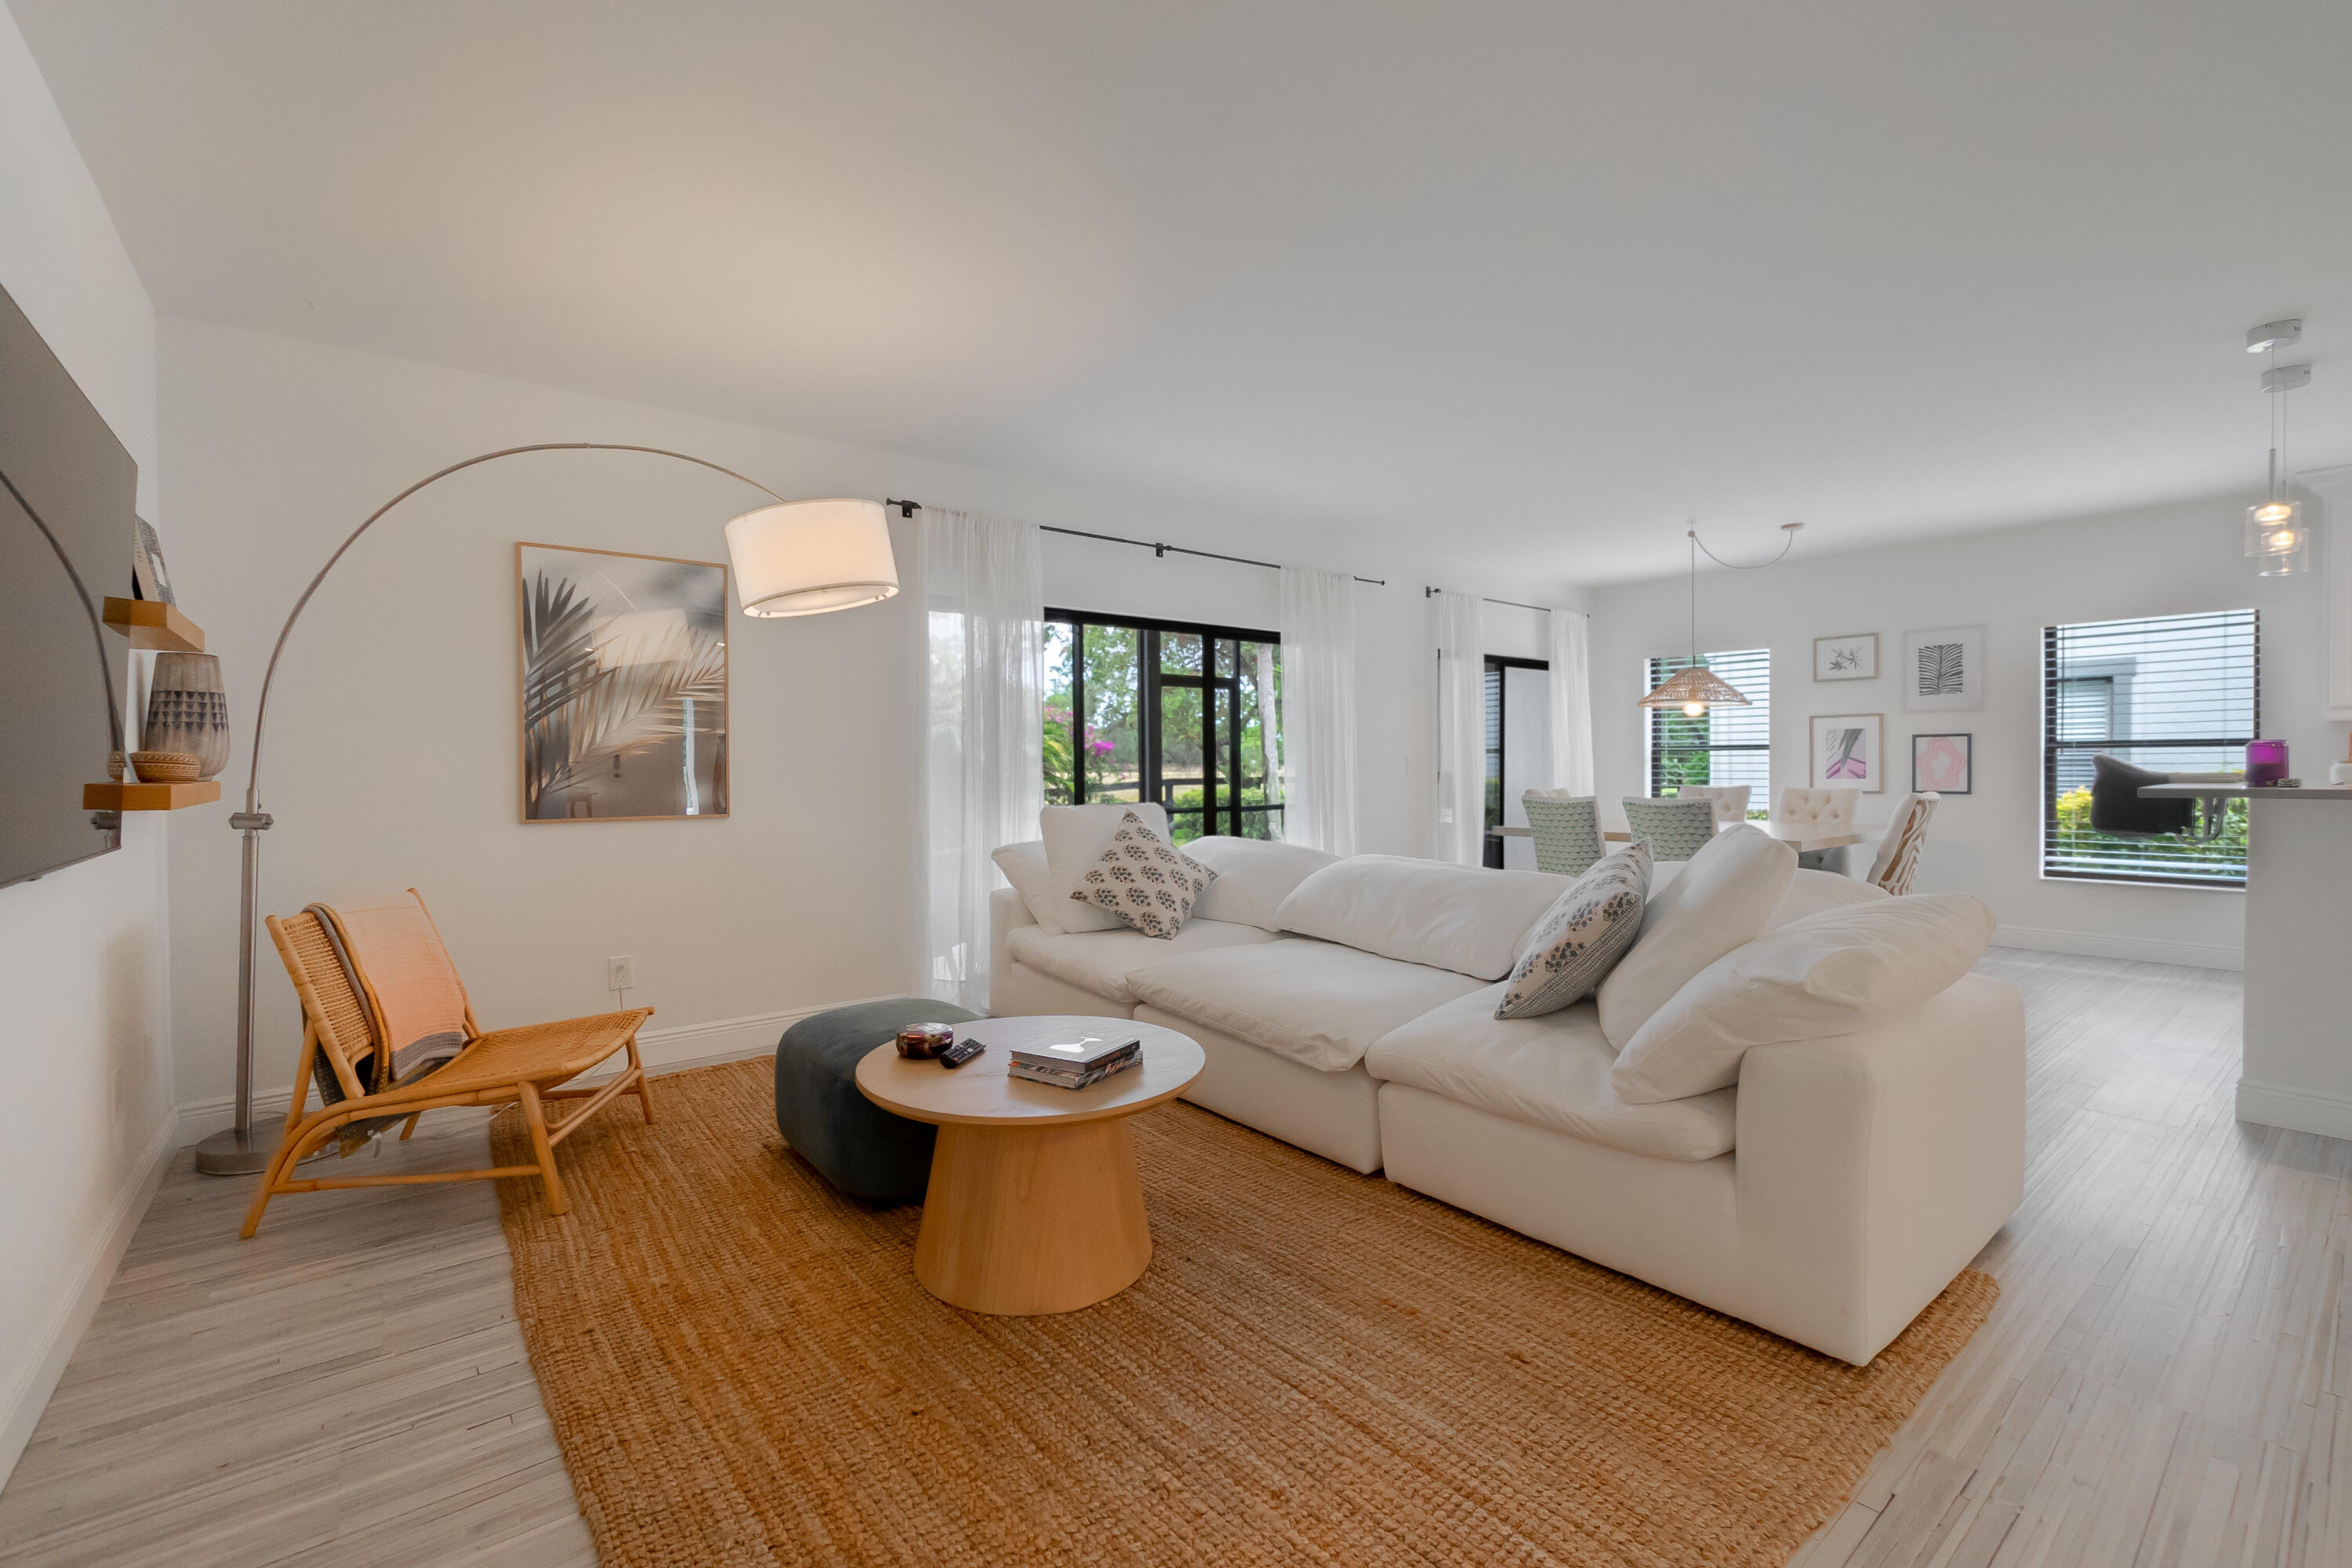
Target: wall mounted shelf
(151, 624)
(148, 796)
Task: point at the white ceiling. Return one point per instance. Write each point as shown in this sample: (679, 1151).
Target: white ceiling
(1535, 280)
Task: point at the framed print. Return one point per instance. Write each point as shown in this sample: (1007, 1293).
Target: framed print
(1943, 669)
(148, 579)
(1850, 657)
(1943, 763)
(624, 686)
(1846, 752)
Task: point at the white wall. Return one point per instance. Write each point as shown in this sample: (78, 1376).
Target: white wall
(392, 757)
(2157, 561)
(83, 959)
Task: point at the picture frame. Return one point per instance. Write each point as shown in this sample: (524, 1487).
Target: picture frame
(1943, 670)
(1944, 763)
(622, 668)
(1846, 751)
(1852, 655)
(149, 580)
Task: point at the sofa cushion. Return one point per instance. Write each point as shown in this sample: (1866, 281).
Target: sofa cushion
(1024, 866)
(1463, 918)
(1319, 1002)
(1726, 893)
(1811, 892)
(1581, 938)
(1075, 838)
(1829, 973)
(1550, 1072)
(1253, 876)
(1146, 881)
(1099, 960)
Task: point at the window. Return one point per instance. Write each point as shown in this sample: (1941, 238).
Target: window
(2176, 693)
(1518, 750)
(1725, 745)
(1164, 710)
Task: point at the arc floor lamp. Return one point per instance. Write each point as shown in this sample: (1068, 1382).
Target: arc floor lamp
(794, 558)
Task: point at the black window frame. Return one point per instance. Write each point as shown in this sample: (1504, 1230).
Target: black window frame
(1152, 783)
(2051, 747)
(1655, 731)
(1498, 728)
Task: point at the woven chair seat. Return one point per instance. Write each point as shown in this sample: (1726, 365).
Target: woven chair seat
(540, 1053)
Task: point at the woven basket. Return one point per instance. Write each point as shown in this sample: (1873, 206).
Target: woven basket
(167, 767)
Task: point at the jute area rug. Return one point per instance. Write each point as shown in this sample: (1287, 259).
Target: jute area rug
(1318, 1368)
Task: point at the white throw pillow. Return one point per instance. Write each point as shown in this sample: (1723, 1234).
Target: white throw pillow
(1462, 918)
(1145, 880)
(1726, 893)
(1811, 892)
(1253, 876)
(1024, 866)
(1075, 837)
(1834, 972)
(1581, 938)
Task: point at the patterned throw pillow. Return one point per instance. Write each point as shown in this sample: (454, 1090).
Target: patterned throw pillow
(1146, 882)
(1581, 938)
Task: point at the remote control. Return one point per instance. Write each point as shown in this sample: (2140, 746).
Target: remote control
(963, 1051)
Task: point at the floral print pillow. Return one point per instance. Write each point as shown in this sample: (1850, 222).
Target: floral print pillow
(1581, 938)
(1146, 882)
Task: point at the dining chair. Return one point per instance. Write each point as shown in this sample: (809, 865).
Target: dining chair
(1676, 827)
(1730, 801)
(1566, 830)
(388, 1034)
(1818, 807)
(1898, 853)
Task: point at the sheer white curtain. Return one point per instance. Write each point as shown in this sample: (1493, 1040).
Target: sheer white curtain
(1461, 827)
(984, 584)
(1318, 710)
(1571, 701)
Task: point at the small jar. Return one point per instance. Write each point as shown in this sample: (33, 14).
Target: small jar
(922, 1042)
(2265, 761)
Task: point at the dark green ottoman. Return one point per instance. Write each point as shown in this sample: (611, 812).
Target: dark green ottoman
(854, 1143)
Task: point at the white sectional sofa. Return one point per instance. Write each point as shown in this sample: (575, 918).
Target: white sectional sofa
(1828, 1196)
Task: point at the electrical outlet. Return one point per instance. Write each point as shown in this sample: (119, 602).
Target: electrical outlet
(620, 973)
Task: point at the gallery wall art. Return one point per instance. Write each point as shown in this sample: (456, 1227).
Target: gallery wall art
(1943, 669)
(1846, 752)
(1944, 763)
(1853, 656)
(624, 686)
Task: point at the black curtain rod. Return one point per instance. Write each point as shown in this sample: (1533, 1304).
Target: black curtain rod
(906, 508)
(1546, 609)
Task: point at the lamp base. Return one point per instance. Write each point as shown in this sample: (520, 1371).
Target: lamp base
(230, 1154)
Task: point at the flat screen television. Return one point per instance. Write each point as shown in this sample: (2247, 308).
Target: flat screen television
(67, 523)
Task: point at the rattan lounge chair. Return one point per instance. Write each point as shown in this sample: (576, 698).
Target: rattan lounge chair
(343, 1028)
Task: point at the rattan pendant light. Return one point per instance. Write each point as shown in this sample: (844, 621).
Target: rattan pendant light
(1696, 688)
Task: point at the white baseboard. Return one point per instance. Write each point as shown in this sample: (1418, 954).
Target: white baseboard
(673, 1049)
(2296, 1110)
(2143, 950)
(34, 1377)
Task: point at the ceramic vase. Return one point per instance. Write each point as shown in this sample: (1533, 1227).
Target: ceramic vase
(187, 710)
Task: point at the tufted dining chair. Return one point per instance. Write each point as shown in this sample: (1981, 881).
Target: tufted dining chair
(1818, 807)
(1906, 834)
(1730, 801)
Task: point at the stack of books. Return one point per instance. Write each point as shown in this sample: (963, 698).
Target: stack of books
(1075, 1064)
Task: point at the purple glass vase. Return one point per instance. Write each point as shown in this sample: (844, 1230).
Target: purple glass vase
(2265, 761)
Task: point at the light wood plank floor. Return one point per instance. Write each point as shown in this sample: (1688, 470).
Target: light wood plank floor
(2165, 1381)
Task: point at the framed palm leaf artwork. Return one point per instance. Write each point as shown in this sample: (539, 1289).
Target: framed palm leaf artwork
(624, 686)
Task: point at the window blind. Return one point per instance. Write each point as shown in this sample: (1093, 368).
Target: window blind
(2173, 694)
(1728, 745)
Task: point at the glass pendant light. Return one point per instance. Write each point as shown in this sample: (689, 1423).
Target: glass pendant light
(2277, 535)
(1694, 688)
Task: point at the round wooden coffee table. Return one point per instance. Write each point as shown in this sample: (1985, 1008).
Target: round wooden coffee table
(1035, 1204)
